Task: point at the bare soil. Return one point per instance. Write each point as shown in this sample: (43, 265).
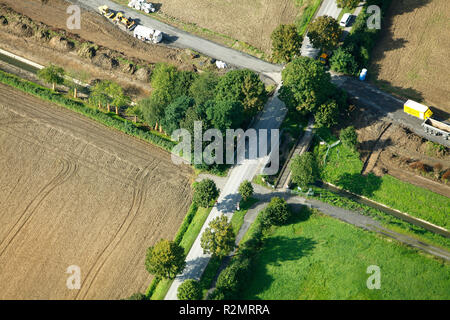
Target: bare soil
(37, 31)
(73, 192)
(411, 57)
(387, 148)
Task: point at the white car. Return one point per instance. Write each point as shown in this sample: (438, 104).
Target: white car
(346, 18)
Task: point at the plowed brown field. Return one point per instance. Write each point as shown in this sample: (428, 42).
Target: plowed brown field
(411, 58)
(73, 192)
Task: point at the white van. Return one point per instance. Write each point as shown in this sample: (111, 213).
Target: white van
(346, 18)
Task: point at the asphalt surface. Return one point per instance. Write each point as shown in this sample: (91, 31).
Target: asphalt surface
(384, 104)
(181, 39)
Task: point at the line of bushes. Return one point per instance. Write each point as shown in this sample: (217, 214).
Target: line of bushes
(108, 119)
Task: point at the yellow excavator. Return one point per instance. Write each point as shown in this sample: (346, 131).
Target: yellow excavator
(128, 23)
(104, 11)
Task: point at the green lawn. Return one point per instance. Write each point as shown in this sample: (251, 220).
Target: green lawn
(343, 167)
(318, 257)
(238, 216)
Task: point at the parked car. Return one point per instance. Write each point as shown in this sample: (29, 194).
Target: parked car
(346, 18)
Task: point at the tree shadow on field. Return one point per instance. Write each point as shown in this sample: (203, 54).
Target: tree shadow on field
(386, 41)
(360, 184)
(279, 249)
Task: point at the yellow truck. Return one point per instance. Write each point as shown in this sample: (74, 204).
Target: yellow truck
(417, 110)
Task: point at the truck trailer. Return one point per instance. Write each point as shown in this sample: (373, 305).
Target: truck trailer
(147, 34)
(417, 110)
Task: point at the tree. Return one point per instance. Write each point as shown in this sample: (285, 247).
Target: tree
(108, 92)
(169, 83)
(349, 137)
(52, 74)
(286, 43)
(175, 113)
(276, 213)
(304, 169)
(246, 190)
(165, 259)
(225, 114)
(203, 88)
(152, 108)
(204, 192)
(324, 33)
(343, 61)
(349, 4)
(244, 86)
(327, 114)
(306, 84)
(190, 290)
(218, 238)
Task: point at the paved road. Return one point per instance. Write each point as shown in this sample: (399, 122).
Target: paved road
(182, 39)
(385, 104)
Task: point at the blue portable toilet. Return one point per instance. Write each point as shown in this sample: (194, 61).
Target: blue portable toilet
(363, 74)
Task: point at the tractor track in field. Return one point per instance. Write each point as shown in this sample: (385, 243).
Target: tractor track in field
(68, 169)
(136, 203)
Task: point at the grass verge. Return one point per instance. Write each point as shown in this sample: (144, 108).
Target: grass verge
(307, 15)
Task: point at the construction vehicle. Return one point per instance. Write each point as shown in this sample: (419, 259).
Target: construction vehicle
(417, 110)
(106, 12)
(142, 5)
(124, 22)
(148, 34)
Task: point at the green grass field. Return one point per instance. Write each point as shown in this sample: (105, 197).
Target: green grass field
(343, 167)
(318, 257)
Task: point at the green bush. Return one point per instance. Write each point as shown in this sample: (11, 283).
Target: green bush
(190, 290)
(286, 43)
(205, 192)
(276, 213)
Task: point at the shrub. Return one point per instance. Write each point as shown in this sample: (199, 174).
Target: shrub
(190, 290)
(246, 190)
(343, 61)
(446, 175)
(137, 296)
(276, 213)
(304, 169)
(349, 4)
(349, 137)
(327, 114)
(205, 192)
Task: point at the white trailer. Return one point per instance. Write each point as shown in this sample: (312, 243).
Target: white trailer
(148, 34)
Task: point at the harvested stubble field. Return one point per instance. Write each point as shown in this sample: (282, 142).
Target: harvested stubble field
(73, 192)
(411, 58)
(250, 21)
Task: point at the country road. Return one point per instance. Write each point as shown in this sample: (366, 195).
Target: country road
(181, 39)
